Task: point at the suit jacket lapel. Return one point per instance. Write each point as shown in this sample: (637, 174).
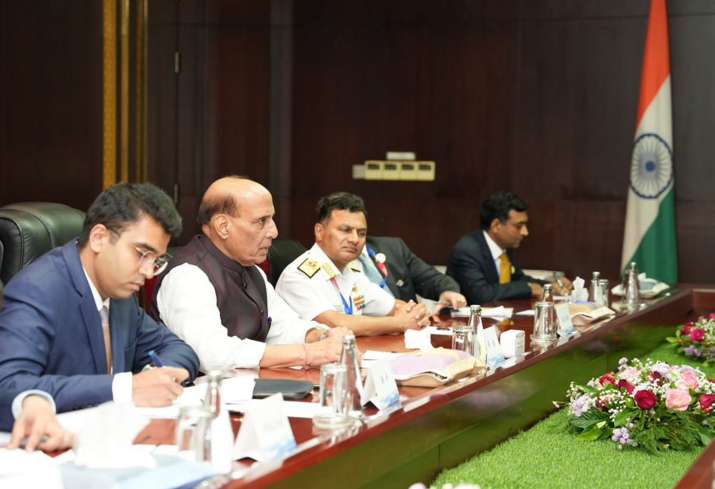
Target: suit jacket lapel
(88, 308)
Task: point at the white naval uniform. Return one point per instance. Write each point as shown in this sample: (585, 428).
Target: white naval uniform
(308, 285)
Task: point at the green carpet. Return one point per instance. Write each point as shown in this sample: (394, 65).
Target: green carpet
(547, 456)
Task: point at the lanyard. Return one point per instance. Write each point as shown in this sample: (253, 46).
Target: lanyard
(347, 306)
(380, 266)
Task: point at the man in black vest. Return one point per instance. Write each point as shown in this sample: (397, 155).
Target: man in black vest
(216, 299)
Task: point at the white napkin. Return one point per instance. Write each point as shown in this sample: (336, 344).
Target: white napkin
(579, 293)
(418, 338)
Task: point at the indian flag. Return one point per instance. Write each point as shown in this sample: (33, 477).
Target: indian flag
(650, 237)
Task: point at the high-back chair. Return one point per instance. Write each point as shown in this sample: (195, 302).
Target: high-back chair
(31, 229)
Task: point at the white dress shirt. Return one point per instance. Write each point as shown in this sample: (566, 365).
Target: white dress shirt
(188, 306)
(17, 402)
(495, 250)
(325, 290)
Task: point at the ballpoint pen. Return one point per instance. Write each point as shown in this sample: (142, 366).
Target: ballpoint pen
(157, 362)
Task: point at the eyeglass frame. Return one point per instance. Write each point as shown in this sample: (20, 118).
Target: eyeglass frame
(159, 263)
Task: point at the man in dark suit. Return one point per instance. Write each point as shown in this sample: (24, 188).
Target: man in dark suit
(389, 263)
(71, 326)
(482, 262)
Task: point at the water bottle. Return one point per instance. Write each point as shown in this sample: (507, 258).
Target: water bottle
(479, 347)
(349, 358)
(212, 401)
(632, 289)
(548, 295)
(595, 289)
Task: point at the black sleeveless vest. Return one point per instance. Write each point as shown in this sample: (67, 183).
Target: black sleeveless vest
(240, 291)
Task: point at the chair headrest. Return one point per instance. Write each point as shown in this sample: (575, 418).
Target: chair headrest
(31, 229)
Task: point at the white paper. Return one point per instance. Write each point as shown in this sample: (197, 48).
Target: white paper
(525, 312)
(106, 436)
(4, 438)
(434, 331)
(499, 312)
(598, 313)
(292, 409)
(21, 470)
(265, 431)
(371, 355)
(418, 339)
(233, 389)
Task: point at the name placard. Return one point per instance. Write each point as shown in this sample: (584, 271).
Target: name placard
(381, 388)
(563, 315)
(265, 431)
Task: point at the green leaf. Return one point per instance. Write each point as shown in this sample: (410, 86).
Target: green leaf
(622, 418)
(593, 434)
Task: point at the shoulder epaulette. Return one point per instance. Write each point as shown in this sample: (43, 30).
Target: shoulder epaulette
(309, 267)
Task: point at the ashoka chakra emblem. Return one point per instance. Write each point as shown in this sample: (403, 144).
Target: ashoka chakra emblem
(651, 167)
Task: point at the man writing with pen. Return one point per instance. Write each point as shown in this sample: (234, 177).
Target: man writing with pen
(71, 328)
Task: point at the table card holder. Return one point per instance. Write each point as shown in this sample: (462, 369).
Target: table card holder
(494, 355)
(563, 316)
(381, 387)
(265, 431)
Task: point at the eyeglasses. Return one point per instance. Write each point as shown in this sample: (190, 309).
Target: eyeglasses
(158, 263)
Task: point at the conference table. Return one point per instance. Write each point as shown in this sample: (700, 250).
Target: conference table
(438, 428)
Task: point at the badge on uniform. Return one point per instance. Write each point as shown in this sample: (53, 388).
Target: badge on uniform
(400, 283)
(309, 267)
(358, 298)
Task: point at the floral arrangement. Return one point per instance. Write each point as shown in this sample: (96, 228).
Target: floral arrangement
(696, 339)
(651, 405)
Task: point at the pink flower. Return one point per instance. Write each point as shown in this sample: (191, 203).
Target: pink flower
(677, 399)
(687, 328)
(697, 334)
(689, 377)
(631, 374)
(711, 315)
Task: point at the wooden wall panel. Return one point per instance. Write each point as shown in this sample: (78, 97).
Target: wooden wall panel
(409, 76)
(536, 97)
(210, 119)
(51, 101)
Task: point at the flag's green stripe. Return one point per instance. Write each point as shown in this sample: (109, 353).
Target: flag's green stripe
(657, 253)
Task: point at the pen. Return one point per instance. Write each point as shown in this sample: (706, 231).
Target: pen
(155, 359)
(157, 362)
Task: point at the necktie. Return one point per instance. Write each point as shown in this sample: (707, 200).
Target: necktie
(504, 269)
(373, 273)
(106, 332)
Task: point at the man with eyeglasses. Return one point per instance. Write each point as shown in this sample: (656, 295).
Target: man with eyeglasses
(482, 262)
(72, 330)
(216, 298)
